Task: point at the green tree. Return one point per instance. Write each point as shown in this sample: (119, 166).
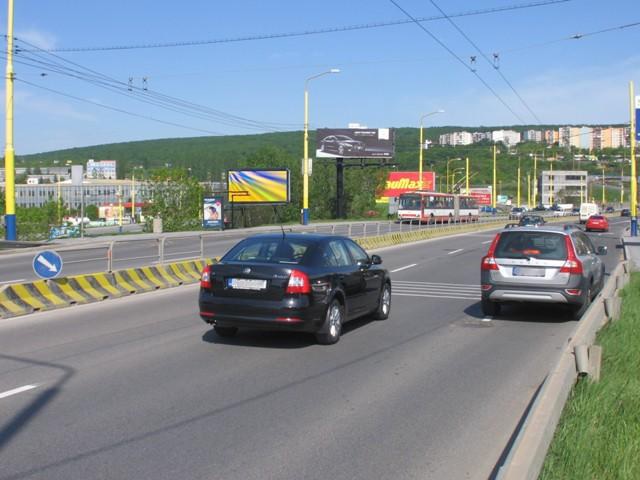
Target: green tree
(92, 212)
(176, 198)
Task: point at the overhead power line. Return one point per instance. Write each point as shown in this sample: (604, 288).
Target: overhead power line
(484, 55)
(303, 33)
(50, 62)
(462, 62)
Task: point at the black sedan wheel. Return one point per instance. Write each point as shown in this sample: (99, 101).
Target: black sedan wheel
(332, 327)
(226, 331)
(384, 303)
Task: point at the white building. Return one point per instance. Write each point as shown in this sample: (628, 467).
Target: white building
(456, 138)
(533, 136)
(104, 169)
(557, 185)
(508, 137)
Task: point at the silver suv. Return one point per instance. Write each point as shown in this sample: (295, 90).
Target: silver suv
(541, 264)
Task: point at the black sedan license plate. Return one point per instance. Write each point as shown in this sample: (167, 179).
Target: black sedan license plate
(528, 272)
(246, 284)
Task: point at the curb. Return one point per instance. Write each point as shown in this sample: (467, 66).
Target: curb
(42, 295)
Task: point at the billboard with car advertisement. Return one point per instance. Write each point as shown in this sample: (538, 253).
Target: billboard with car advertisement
(266, 187)
(400, 182)
(355, 143)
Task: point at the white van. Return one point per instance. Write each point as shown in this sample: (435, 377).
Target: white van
(586, 210)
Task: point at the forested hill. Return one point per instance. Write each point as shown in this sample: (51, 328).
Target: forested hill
(209, 156)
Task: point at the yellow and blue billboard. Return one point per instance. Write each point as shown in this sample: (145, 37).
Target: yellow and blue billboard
(270, 187)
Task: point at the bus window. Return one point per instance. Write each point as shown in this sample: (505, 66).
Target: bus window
(410, 202)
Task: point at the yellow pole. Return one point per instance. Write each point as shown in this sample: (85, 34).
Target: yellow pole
(120, 208)
(603, 194)
(493, 190)
(11, 232)
(518, 186)
(551, 184)
(621, 186)
(59, 201)
(529, 191)
(420, 162)
(133, 197)
(535, 180)
(467, 179)
(305, 167)
(447, 190)
(634, 178)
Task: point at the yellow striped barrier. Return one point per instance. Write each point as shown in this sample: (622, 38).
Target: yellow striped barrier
(40, 295)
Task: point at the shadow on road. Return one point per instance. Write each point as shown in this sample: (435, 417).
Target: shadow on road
(273, 339)
(532, 312)
(22, 419)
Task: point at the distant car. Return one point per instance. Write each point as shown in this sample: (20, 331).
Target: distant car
(597, 222)
(609, 210)
(296, 282)
(575, 211)
(488, 209)
(551, 264)
(587, 210)
(625, 212)
(531, 220)
(540, 208)
(342, 145)
(516, 213)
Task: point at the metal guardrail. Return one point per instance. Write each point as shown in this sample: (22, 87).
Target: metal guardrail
(193, 245)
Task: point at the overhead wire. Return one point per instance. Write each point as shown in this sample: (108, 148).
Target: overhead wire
(59, 65)
(345, 28)
(484, 55)
(462, 62)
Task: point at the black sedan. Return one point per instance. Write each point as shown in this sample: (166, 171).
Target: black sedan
(342, 145)
(530, 220)
(294, 281)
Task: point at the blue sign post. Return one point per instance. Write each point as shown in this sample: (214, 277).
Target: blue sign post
(47, 264)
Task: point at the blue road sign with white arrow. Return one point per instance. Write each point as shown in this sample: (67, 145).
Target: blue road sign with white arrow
(47, 264)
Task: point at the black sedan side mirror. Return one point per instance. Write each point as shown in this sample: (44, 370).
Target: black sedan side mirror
(601, 250)
(376, 259)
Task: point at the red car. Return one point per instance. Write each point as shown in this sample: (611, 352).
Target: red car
(597, 222)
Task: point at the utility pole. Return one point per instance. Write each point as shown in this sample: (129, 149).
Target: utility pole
(495, 178)
(11, 231)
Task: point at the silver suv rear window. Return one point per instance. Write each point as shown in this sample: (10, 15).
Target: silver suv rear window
(540, 245)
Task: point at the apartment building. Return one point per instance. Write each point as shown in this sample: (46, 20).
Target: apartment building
(556, 185)
(456, 138)
(508, 137)
(102, 169)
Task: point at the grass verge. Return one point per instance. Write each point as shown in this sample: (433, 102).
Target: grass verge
(598, 436)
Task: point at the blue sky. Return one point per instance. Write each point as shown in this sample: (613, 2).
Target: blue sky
(390, 76)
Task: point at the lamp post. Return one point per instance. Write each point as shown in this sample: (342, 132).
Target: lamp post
(633, 187)
(448, 161)
(305, 180)
(422, 144)
(604, 198)
(493, 190)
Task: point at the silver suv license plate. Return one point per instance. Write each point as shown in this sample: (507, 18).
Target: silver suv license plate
(528, 272)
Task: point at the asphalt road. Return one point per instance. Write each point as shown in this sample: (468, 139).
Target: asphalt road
(139, 387)
(91, 254)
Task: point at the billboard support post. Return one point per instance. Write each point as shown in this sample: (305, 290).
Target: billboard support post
(339, 188)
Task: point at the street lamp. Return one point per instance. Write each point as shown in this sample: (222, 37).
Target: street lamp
(450, 160)
(422, 144)
(305, 180)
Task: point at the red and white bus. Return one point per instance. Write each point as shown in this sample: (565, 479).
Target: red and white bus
(432, 207)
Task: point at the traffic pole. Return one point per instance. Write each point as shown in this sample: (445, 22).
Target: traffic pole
(634, 179)
(9, 153)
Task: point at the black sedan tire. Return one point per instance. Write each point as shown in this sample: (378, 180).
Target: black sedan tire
(490, 308)
(384, 303)
(330, 332)
(225, 331)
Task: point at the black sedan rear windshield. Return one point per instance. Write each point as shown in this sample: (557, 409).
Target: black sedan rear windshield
(540, 245)
(269, 250)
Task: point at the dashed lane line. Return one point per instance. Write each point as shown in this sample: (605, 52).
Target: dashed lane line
(403, 268)
(18, 390)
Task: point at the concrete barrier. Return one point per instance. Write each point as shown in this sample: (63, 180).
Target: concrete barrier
(40, 295)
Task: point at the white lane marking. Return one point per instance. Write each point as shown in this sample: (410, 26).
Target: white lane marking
(403, 268)
(436, 296)
(18, 280)
(15, 391)
(488, 241)
(455, 251)
(401, 282)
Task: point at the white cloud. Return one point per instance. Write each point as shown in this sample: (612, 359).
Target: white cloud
(591, 94)
(38, 38)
